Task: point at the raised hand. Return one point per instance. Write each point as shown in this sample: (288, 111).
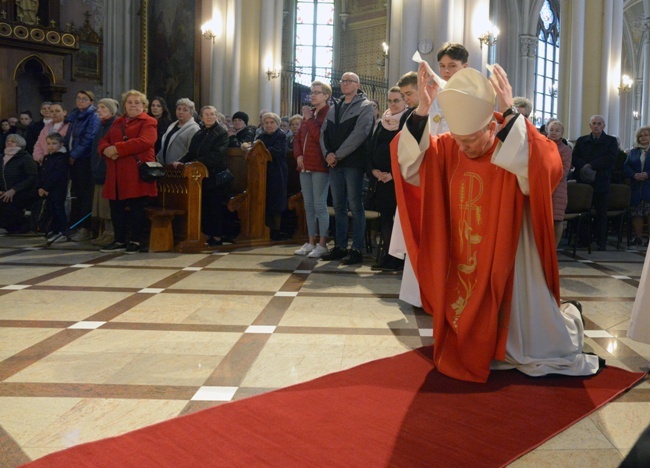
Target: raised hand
(427, 90)
(501, 85)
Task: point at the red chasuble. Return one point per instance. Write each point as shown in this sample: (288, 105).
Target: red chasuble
(461, 227)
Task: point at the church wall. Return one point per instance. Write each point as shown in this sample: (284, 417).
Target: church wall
(592, 64)
(72, 11)
(361, 48)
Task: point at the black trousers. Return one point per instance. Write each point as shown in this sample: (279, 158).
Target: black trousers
(601, 205)
(82, 190)
(122, 217)
(212, 212)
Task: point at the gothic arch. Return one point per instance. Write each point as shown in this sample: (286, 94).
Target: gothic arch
(45, 68)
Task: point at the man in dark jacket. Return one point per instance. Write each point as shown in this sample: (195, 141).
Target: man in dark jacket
(597, 151)
(348, 124)
(84, 124)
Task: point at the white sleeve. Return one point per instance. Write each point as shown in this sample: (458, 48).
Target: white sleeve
(410, 154)
(512, 154)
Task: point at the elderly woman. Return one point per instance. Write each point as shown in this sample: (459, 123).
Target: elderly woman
(277, 173)
(158, 110)
(555, 131)
(130, 140)
(18, 180)
(637, 170)
(240, 132)
(294, 128)
(209, 146)
(56, 124)
(176, 140)
(380, 174)
(106, 110)
(314, 175)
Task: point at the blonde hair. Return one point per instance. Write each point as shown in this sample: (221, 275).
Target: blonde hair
(135, 92)
(327, 89)
(638, 133)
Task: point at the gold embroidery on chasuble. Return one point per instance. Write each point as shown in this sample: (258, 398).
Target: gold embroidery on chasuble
(467, 228)
(437, 118)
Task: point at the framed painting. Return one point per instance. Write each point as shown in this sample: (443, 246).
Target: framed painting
(87, 61)
(170, 56)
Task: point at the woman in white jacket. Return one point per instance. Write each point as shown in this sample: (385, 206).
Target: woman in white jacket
(176, 140)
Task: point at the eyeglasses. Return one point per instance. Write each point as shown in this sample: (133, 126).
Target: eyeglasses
(347, 81)
(316, 93)
(394, 101)
(82, 99)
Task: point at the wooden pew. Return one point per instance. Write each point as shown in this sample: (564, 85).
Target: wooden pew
(177, 215)
(250, 204)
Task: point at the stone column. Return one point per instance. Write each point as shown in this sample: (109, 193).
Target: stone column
(527, 55)
(645, 96)
(122, 59)
(573, 84)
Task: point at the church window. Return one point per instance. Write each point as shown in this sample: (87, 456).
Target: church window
(314, 41)
(548, 64)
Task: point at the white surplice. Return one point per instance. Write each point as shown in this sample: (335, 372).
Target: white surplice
(639, 329)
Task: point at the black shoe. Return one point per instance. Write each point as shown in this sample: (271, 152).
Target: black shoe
(212, 242)
(380, 265)
(337, 253)
(353, 257)
(132, 248)
(114, 247)
(393, 264)
(636, 241)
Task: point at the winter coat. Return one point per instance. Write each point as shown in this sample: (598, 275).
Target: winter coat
(345, 131)
(277, 172)
(122, 174)
(97, 162)
(163, 125)
(40, 148)
(600, 154)
(179, 142)
(245, 135)
(83, 127)
(208, 146)
(53, 175)
(306, 142)
(640, 188)
(560, 197)
(20, 173)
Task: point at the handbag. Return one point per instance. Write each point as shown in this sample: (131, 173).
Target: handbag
(149, 171)
(40, 217)
(223, 178)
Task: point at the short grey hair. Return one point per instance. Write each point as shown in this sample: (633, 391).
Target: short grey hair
(206, 108)
(272, 115)
(524, 102)
(187, 103)
(19, 140)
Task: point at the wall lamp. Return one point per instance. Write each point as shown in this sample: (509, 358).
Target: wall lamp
(636, 115)
(626, 84)
(211, 30)
(490, 36)
(272, 74)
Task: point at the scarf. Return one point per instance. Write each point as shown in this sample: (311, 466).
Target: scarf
(10, 153)
(391, 121)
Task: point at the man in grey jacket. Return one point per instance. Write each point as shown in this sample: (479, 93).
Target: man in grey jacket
(347, 126)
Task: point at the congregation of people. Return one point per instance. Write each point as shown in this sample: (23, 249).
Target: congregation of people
(341, 149)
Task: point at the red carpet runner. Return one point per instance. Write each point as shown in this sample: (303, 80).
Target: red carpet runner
(391, 412)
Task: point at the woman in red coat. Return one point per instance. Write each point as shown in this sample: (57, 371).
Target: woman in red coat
(131, 136)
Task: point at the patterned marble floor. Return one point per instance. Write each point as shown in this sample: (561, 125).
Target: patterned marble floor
(93, 345)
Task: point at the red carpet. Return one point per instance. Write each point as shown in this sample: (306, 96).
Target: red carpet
(391, 412)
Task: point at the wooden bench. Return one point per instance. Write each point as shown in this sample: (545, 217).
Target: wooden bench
(250, 204)
(176, 218)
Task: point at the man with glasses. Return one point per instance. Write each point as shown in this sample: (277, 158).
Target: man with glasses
(343, 134)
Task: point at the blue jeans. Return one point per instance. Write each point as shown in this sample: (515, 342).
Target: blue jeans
(314, 193)
(346, 184)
